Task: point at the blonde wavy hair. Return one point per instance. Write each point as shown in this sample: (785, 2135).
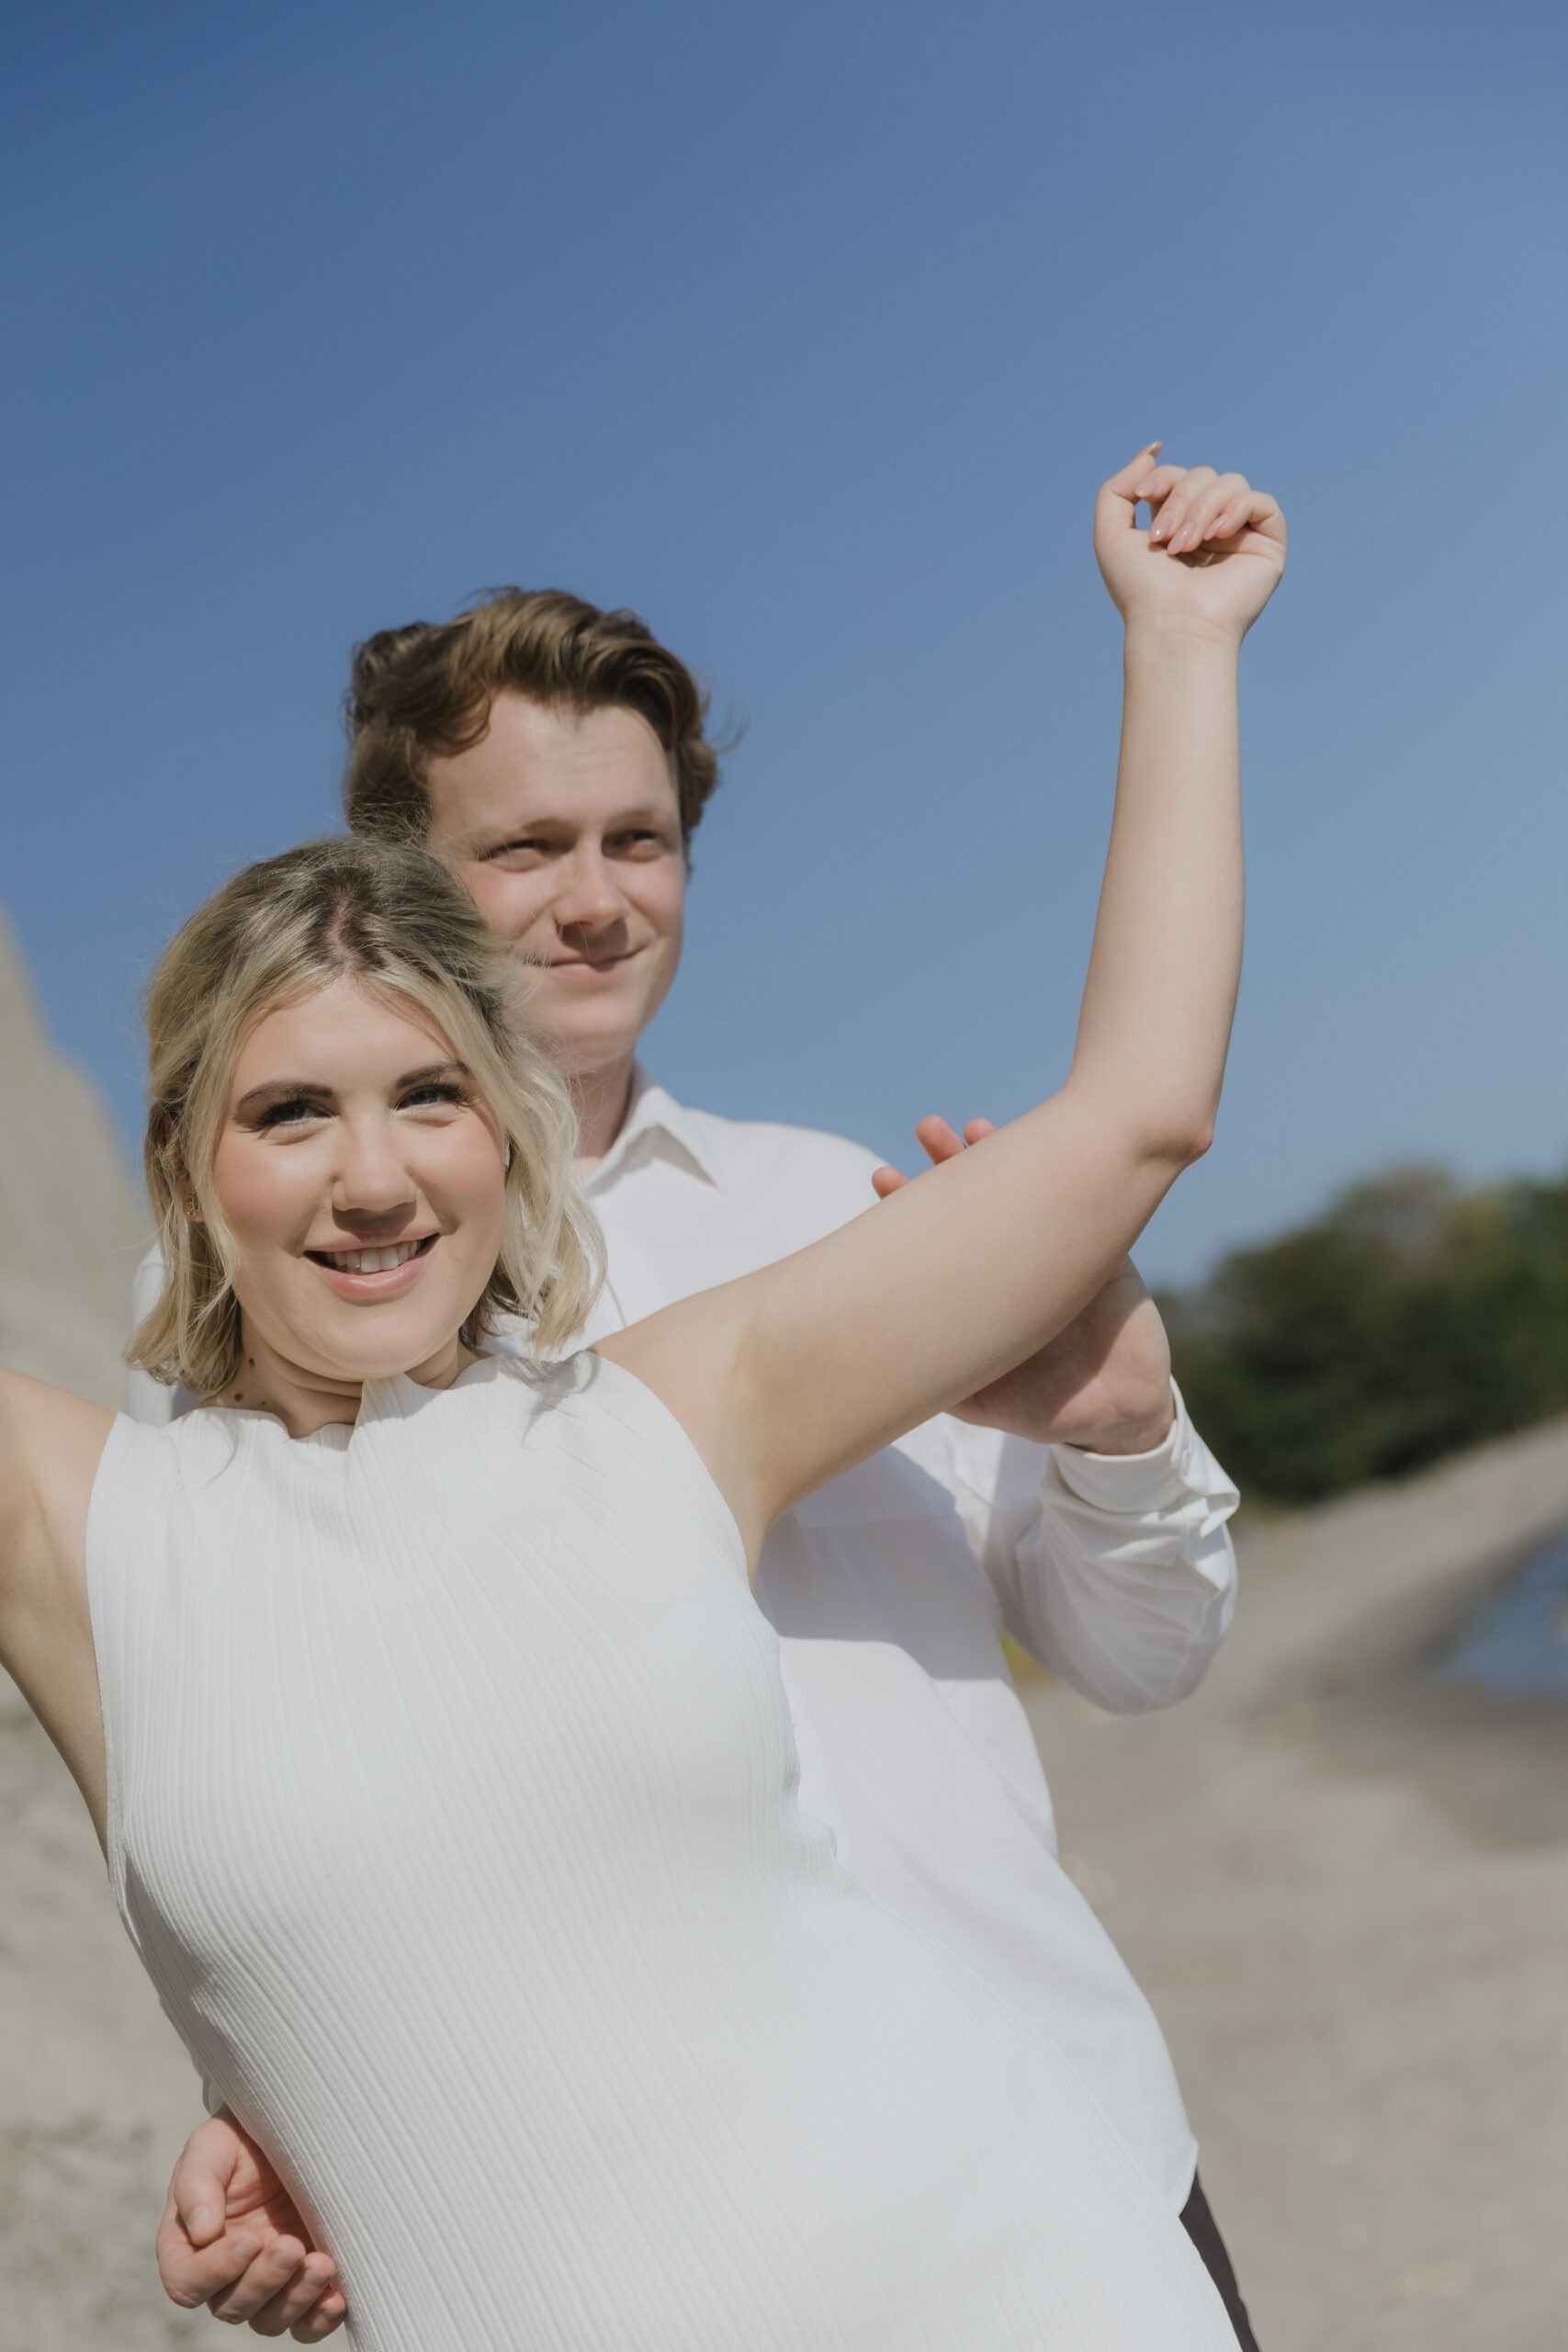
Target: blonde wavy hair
(390, 915)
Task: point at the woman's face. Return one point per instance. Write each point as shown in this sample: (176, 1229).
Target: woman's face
(363, 1182)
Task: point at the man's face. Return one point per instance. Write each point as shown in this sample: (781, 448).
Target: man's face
(565, 828)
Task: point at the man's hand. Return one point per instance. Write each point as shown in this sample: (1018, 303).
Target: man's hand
(233, 2238)
(1102, 1384)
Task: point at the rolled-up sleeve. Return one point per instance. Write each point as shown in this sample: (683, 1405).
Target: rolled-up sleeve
(1116, 1571)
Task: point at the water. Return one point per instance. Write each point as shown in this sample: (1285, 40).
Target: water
(1517, 1643)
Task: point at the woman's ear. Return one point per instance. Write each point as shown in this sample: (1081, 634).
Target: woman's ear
(174, 1169)
(184, 1192)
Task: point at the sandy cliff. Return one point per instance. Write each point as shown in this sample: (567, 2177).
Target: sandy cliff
(95, 2091)
(71, 1227)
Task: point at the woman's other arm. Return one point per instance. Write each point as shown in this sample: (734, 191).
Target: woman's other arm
(50, 1447)
(787, 1378)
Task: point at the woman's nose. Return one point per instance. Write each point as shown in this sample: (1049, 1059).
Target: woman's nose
(372, 1175)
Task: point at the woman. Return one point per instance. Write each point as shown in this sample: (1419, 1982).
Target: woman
(440, 1756)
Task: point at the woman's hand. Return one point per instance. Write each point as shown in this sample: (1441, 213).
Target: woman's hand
(1103, 1384)
(1212, 556)
(233, 2238)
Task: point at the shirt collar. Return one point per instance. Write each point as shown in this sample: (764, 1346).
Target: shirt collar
(654, 1114)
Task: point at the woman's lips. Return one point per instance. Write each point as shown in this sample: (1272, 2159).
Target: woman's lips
(365, 1272)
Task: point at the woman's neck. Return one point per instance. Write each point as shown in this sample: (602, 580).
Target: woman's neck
(306, 1397)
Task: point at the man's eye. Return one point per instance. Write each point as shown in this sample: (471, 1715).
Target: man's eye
(637, 844)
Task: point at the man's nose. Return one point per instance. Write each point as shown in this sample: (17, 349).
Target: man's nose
(590, 897)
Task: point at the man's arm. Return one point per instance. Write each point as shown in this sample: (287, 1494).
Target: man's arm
(233, 2238)
(1116, 1571)
(1097, 1511)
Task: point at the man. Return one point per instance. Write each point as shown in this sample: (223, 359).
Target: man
(553, 756)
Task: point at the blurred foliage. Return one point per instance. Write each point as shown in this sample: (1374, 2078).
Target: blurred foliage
(1409, 1319)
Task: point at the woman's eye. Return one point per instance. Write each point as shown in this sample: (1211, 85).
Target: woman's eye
(423, 1098)
(281, 1114)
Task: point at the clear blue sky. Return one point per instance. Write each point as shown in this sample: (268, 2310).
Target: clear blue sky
(808, 332)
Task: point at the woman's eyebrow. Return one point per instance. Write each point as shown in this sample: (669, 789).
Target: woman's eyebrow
(423, 1076)
(284, 1090)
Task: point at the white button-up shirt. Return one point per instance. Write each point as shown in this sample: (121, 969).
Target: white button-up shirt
(890, 1590)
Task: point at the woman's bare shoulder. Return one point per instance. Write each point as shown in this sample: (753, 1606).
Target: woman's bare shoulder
(56, 1416)
(50, 1444)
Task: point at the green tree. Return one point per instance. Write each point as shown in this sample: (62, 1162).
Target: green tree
(1409, 1318)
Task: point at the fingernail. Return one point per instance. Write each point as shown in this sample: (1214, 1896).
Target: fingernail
(201, 2217)
(1157, 531)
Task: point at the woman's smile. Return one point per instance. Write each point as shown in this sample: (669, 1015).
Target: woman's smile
(374, 1270)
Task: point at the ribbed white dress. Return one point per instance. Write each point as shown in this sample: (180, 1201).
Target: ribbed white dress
(452, 1813)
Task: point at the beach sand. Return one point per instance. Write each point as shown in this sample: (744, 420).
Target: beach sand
(1344, 1887)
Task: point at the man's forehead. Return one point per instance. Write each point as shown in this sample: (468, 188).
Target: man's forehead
(569, 769)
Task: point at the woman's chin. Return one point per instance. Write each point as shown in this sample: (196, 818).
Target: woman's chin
(323, 1336)
(434, 1364)
(394, 1345)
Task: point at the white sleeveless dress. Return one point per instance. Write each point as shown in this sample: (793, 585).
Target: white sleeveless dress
(452, 1813)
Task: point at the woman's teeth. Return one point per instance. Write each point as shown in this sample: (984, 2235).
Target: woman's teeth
(370, 1261)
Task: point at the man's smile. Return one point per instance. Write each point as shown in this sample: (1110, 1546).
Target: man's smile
(604, 963)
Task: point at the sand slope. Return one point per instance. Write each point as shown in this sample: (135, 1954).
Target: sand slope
(71, 1226)
(95, 2093)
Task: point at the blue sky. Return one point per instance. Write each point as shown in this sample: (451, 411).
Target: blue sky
(809, 333)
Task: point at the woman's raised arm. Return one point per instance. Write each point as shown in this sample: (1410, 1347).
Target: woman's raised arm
(49, 1446)
(788, 1377)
